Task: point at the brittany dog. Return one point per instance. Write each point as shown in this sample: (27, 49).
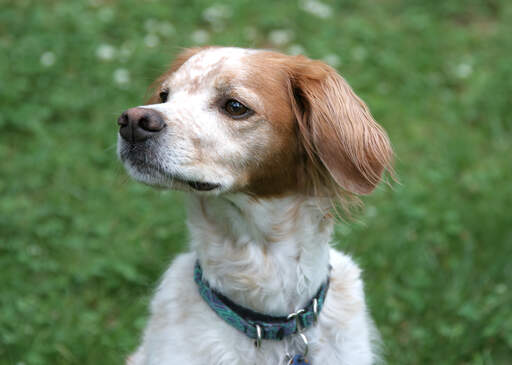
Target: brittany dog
(264, 145)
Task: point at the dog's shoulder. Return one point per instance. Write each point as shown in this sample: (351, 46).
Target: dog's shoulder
(345, 297)
(344, 320)
(172, 316)
(344, 272)
(182, 328)
(177, 284)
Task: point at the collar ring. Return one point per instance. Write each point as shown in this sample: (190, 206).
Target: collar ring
(257, 341)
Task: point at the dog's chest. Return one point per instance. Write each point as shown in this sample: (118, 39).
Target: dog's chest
(184, 329)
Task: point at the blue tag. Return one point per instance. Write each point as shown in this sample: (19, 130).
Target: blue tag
(299, 360)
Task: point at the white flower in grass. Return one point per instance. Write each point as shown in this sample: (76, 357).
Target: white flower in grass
(501, 288)
(151, 40)
(280, 37)
(296, 49)
(316, 8)
(105, 52)
(151, 25)
(166, 29)
(200, 36)
(48, 59)
(332, 59)
(106, 14)
(463, 70)
(216, 14)
(121, 76)
(359, 53)
(34, 250)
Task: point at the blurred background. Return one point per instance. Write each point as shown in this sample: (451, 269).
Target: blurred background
(82, 246)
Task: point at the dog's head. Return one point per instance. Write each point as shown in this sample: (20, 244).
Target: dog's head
(259, 122)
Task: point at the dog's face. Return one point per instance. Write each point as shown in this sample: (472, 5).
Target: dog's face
(259, 122)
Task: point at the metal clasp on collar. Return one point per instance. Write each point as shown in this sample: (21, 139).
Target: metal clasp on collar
(306, 344)
(298, 323)
(297, 319)
(257, 342)
(315, 310)
(300, 328)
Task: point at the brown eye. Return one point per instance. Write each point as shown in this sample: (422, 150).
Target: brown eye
(163, 96)
(236, 108)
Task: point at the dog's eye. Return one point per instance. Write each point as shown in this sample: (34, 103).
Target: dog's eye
(236, 108)
(163, 96)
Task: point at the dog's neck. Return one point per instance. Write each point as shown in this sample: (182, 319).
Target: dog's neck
(269, 255)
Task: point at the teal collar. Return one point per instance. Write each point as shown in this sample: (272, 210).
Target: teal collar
(256, 325)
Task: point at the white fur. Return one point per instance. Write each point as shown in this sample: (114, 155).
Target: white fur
(227, 240)
(270, 255)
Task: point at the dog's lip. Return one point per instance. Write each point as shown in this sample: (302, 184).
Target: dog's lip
(202, 186)
(194, 184)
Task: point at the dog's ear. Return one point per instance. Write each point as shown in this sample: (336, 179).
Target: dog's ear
(154, 88)
(338, 132)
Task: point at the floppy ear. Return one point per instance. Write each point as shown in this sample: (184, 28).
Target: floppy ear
(154, 88)
(338, 132)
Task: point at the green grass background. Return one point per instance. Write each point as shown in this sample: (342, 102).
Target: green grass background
(82, 246)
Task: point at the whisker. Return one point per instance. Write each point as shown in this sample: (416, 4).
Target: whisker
(110, 147)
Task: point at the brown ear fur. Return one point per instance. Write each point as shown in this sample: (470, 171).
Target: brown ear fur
(339, 134)
(154, 88)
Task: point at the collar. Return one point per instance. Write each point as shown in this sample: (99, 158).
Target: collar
(257, 325)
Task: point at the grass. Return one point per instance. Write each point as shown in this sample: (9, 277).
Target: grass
(82, 246)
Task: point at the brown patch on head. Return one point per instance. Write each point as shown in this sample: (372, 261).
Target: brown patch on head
(184, 56)
(326, 142)
(278, 172)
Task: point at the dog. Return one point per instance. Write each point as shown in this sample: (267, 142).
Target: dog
(265, 145)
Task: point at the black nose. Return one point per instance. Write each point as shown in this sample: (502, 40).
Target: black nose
(139, 124)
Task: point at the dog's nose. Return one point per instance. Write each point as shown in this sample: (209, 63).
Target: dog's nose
(139, 124)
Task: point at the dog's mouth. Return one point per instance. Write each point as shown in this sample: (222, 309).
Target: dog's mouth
(181, 180)
(155, 173)
(194, 184)
(202, 186)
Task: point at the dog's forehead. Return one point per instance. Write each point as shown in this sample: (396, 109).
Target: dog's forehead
(208, 65)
